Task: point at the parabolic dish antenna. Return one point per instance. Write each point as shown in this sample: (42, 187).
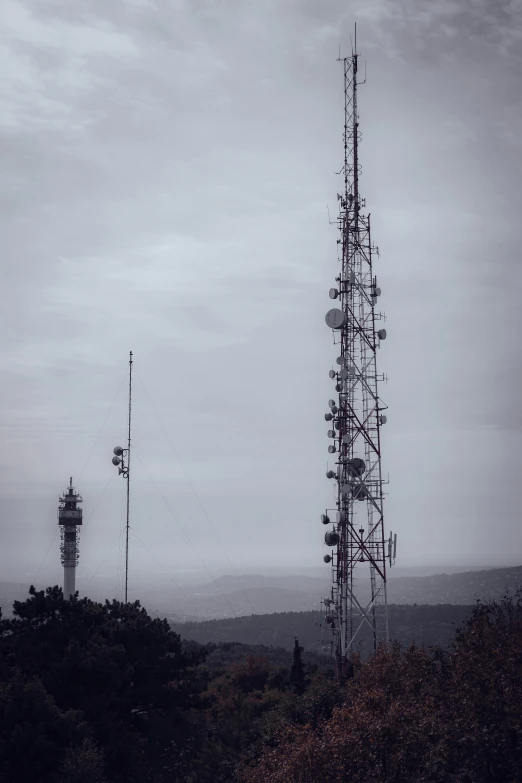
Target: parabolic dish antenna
(335, 318)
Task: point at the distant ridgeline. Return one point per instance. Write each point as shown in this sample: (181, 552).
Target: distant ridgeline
(424, 624)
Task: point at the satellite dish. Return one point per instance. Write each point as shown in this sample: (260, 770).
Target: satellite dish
(331, 449)
(330, 474)
(334, 409)
(116, 460)
(331, 433)
(381, 334)
(331, 404)
(120, 471)
(331, 538)
(325, 519)
(377, 292)
(335, 318)
(340, 360)
(355, 467)
(332, 374)
(359, 492)
(341, 516)
(333, 293)
(383, 419)
(327, 558)
(344, 374)
(346, 489)
(118, 451)
(328, 417)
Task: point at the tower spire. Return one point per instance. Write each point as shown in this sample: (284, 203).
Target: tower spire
(357, 538)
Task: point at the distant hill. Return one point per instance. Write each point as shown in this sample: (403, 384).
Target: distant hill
(426, 625)
(230, 596)
(295, 593)
(223, 654)
(233, 584)
(462, 588)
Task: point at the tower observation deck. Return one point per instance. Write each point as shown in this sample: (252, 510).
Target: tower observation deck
(69, 520)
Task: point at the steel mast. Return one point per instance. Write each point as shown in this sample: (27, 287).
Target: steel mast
(359, 550)
(122, 460)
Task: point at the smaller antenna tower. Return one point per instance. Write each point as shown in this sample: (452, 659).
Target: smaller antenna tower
(69, 519)
(122, 460)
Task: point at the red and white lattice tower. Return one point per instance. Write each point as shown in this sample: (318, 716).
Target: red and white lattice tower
(356, 522)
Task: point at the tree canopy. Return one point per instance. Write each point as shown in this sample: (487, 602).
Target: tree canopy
(90, 676)
(103, 693)
(417, 715)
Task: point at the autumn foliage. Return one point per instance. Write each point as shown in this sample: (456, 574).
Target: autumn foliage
(416, 716)
(102, 693)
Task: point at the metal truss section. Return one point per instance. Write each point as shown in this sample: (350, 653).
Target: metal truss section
(359, 552)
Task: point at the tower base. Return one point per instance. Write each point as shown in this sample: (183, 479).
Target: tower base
(69, 582)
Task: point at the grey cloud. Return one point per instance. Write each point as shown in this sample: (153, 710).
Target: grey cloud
(167, 169)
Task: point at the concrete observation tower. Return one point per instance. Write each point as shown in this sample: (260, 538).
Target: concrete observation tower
(69, 518)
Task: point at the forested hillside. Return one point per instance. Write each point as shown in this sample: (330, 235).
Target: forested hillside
(426, 625)
(103, 693)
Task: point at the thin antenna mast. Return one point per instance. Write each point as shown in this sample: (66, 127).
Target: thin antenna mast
(128, 482)
(122, 460)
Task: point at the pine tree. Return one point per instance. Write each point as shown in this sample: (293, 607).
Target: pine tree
(297, 675)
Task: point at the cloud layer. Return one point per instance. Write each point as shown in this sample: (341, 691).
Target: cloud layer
(166, 173)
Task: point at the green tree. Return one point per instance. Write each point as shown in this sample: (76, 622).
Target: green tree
(297, 674)
(83, 764)
(416, 715)
(35, 734)
(123, 671)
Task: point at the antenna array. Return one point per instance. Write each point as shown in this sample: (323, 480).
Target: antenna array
(121, 459)
(356, 416)
(70, 518)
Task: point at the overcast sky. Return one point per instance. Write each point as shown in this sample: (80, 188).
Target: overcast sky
(166, 170)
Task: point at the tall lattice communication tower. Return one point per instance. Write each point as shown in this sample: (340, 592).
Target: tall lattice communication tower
(359, 550)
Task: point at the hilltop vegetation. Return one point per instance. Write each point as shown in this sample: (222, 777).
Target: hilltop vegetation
(103, 693)
(426, 625)
(416, 716)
